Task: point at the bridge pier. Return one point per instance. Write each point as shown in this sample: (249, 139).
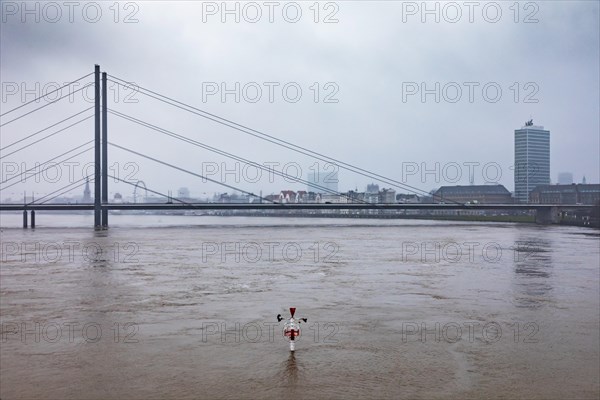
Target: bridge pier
(25, 224)
(548, 215)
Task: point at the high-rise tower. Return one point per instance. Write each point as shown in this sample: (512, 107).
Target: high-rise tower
(532, 159)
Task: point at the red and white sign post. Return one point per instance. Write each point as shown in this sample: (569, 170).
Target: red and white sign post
(291, 329)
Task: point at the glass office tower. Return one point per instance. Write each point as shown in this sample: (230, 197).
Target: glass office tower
(532, 160)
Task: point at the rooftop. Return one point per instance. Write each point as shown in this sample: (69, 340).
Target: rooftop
(483, 189)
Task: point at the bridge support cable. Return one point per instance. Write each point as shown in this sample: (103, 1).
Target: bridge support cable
(46, 94)
(64, 189)
(46, 137)
(45, 105)
(186, 171)
(224, 153)
(269, 138)
(149, 190)
(48, 167)
(48, 127)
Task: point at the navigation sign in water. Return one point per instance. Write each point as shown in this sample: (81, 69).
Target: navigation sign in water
(291, 329)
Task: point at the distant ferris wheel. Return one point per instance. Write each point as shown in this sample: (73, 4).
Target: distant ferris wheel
(135, 189)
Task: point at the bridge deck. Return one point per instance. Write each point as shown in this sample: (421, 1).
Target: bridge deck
(288, 206)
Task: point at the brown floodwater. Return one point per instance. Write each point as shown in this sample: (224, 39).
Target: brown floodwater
(161, 307)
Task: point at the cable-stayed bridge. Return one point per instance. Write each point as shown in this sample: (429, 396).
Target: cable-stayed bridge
(545, 213)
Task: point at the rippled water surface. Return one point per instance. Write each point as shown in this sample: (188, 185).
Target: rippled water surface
(185, 307)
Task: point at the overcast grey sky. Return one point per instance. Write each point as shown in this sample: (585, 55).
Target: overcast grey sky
(361, 68)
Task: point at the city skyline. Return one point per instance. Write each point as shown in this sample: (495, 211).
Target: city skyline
(199, 193)
(531, 152)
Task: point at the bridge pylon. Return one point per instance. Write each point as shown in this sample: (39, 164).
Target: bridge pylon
(104, 153)
(100, 151)
(97, 153)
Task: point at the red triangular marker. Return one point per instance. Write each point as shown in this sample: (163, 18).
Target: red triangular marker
(292, 311)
